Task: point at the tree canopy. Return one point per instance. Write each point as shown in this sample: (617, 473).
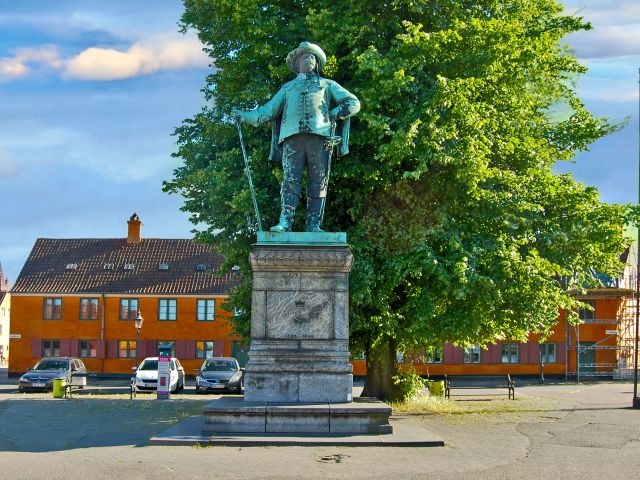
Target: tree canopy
(460, 228)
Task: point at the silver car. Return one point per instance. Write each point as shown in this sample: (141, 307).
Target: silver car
(40, 377)
(218, 374)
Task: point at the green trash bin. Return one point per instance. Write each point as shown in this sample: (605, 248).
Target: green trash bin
(59, 386)
(436, 388)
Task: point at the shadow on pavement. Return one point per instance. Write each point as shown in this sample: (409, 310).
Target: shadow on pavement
(43, 425)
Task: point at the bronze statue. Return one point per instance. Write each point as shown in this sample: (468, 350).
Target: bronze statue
(310, 114)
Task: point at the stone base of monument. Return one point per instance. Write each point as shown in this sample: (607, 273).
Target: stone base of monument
(234, 415)
(298, 378)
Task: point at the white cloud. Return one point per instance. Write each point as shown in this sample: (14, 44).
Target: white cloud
(606, 42)
(616, 28)
(11, 68)
(611, 80)
(143, 58)
(23, 59)
(171, 51)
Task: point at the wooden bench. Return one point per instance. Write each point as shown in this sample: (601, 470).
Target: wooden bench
(479, 381)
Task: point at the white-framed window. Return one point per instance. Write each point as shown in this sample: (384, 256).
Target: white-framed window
(204, 348)
(471, 355)
(128, 308)
(510, 353)
(548, 353)
(50, 348)
(205, 310)
(433, 354)
(87, 348)
(127, 349)
(168, 343)
(587, 315)
(167, 308)
(88, 309)
(52, 309)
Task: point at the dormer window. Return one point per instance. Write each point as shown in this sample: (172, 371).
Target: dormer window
(163, 266)
(108, 266)
(201, 267)
(72, 266)
(129, 266)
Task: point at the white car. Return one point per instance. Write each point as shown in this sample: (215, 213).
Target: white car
(146, 376)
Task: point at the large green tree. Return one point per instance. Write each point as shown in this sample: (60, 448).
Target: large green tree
(460, 228)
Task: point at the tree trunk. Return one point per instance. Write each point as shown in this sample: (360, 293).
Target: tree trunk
(381, 366)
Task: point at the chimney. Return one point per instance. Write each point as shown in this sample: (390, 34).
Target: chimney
(134, 229)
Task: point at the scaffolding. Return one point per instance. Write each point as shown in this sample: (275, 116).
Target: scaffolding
(619, 338)
(626, 340)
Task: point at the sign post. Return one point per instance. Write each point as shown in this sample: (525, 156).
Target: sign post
(164, 372)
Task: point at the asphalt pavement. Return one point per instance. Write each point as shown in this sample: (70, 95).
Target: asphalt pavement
(579, 431)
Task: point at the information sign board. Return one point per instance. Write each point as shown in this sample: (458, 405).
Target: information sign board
(164, 377)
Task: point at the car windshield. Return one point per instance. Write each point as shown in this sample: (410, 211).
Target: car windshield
(52, 365)
(219, 366)
(149, 365)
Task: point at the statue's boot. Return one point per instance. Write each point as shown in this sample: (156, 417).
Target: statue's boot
(314, 207)
(287, 214)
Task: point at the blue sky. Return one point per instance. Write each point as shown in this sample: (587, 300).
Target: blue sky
(91, 91)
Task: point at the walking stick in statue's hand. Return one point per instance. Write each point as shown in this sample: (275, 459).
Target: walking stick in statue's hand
(248, 172)
(330, 142)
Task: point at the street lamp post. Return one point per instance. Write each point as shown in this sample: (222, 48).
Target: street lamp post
(137, 323)
(636, 401)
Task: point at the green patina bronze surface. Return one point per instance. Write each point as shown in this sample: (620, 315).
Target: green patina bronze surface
(310, 116)
(302, 238)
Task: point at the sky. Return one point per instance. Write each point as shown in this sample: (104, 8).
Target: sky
(91, 91)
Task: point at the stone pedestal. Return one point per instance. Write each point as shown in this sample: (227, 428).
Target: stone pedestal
(299, 319)
(299, 378)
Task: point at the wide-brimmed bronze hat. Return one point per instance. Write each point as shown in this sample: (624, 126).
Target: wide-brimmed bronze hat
(306, 47)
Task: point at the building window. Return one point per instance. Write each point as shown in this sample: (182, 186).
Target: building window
(510, 353)
(205, 310)
(204, 349)
(128, 308)
(88, 309)
(584, 314)
(50, 348)
(88, 348)
(168, 343)
(127, 349)
(52, 308)
(434, 355)
(548, 353)
(471, 355)
(167, 309)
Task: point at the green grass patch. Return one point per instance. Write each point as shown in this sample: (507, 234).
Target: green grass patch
(427, 405)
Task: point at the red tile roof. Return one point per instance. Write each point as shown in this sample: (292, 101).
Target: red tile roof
(78, 266)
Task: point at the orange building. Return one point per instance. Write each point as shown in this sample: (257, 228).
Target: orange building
(79, 297)
(602, 341)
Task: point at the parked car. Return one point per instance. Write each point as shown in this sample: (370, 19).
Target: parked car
(219, 373)
(146, 376)
(40, 377)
